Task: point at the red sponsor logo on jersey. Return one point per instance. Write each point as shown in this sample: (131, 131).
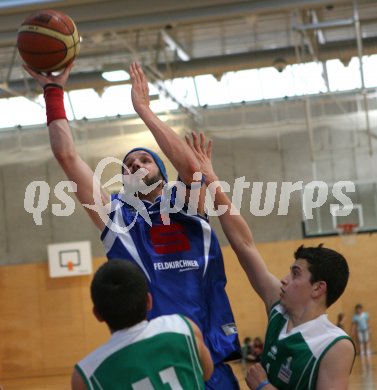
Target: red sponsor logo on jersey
(169, 239)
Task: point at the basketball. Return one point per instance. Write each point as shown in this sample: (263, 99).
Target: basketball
(48, 41)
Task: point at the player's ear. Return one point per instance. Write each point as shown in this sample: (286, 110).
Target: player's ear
(97, 315)
(149, 302)
(319, 288)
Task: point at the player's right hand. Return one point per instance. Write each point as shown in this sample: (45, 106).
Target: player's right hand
(46, 78)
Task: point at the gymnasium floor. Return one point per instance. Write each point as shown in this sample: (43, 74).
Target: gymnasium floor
(363, 377)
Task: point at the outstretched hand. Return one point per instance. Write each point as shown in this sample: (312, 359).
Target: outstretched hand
(140, 89)
(46, 78)
(203, 154)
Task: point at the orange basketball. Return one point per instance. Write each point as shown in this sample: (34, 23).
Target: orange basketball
(48, 40)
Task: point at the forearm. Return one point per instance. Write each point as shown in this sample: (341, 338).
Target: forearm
(175, 148)
(266, 285)
(232, 223)
(61, 141)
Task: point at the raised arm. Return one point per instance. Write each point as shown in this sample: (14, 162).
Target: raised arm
(175, 148)
(266, 285)
(62, 145)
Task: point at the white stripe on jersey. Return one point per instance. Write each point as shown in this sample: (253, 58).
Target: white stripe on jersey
(126, 240)
(141, 331)
(206, 242)
(316, 337)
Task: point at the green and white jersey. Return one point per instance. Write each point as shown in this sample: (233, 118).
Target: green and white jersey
(159, 354)
(292, 359)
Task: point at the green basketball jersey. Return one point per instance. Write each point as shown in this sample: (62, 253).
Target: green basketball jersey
(292, 359)
(159, 354)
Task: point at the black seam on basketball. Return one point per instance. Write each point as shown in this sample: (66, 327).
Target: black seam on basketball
(45, 35)
(65, 24)
(66, 48)
(72, 34)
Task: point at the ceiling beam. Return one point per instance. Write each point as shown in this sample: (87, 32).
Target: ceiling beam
(210, 65)
(122, 16)
(264, 58)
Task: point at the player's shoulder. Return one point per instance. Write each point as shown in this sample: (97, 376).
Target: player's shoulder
(171, 322)
(341, 347)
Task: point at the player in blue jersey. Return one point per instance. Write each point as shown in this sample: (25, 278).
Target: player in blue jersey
(303, 350)
(181, 260)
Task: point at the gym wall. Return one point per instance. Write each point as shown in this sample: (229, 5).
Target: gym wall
(46, 325)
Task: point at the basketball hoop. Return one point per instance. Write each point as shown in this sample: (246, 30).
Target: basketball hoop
(347, 232)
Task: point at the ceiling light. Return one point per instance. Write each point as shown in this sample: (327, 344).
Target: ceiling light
(116, 75)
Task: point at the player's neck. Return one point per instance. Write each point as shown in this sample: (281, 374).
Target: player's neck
(306, 314)
(151, 196)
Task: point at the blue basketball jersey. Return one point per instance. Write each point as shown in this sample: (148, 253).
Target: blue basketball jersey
(184, 267)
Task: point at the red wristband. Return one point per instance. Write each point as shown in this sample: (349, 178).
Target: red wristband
(54, 98)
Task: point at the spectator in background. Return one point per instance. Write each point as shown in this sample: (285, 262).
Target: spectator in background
(257, 348)
(341, 320)
(360, 328)
(247, 351)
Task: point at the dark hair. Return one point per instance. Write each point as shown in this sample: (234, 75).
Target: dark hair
(119, 294)
(326, 265)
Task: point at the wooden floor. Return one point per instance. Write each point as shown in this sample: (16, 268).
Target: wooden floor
(363, 377)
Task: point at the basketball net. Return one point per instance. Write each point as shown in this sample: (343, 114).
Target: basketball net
(348, 232)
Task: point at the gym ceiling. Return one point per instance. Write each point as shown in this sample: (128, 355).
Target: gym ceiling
(187, 38)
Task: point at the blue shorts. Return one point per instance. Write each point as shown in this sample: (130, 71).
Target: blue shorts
(222, 378)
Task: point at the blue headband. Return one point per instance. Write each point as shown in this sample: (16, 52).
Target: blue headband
(156, 159)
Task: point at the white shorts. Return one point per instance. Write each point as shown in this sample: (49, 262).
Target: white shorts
(363, 336)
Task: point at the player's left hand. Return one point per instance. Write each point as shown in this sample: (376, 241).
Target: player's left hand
(203, 154)
(140, 89)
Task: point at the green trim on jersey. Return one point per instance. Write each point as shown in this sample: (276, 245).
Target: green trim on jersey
(83, 376)
(292, 360)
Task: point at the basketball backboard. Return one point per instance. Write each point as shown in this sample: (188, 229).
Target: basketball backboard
(69, 259)
(339, 208)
